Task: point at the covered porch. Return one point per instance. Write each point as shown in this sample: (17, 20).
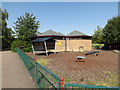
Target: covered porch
(43, 45)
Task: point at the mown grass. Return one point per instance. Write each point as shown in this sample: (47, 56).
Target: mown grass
(67, 79)
(44, 61)
(105, 78)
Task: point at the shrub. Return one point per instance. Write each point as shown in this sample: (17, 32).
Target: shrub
(97, 46)
(24, 45)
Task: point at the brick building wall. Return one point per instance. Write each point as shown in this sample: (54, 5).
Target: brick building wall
(60, 45)
(73, 45)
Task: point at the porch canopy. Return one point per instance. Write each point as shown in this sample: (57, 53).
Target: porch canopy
(43, 45)
(41, 39)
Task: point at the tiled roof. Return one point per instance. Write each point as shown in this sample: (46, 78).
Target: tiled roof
(50, 32)
(76, 33)
(61, 34)
(53, 33)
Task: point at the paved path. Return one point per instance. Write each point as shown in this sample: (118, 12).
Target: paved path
(14, 73)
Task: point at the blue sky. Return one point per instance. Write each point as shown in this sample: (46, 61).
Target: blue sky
(64, 16)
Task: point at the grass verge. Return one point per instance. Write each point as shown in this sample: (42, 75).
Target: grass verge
(44, 61)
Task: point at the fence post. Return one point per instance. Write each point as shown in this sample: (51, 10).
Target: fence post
(62, 83)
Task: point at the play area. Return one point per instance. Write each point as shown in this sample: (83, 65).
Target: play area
(88, 67)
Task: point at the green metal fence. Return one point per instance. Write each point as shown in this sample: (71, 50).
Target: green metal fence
(28, 61)
(44, 78)
(88, 87)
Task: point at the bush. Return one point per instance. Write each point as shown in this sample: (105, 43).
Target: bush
(24, 45)
(97, 46)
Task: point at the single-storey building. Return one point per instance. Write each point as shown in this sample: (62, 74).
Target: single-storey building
(51, 41)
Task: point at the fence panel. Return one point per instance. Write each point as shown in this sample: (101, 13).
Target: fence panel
(68, 86)
(46, 78)
(43, 77)
(28, 61)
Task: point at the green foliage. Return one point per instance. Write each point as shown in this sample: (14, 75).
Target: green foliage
(24, 45)
(6, 33)
(26, 26)
(67, 79)
(82, 79)
(7, 38)
(112, 31)
(97, 46)
(98, 35)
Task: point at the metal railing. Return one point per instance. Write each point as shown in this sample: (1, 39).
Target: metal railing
(43, 77)
(88, 87)
(29, 63)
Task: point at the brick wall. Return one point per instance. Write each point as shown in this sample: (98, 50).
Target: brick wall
(73, 45)
(60, 45)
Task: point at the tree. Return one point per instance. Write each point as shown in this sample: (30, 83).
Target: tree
(97, 37)
(111, 31)
(6, 32)
(26, 26)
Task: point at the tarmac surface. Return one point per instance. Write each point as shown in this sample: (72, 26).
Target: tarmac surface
(14, 73)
